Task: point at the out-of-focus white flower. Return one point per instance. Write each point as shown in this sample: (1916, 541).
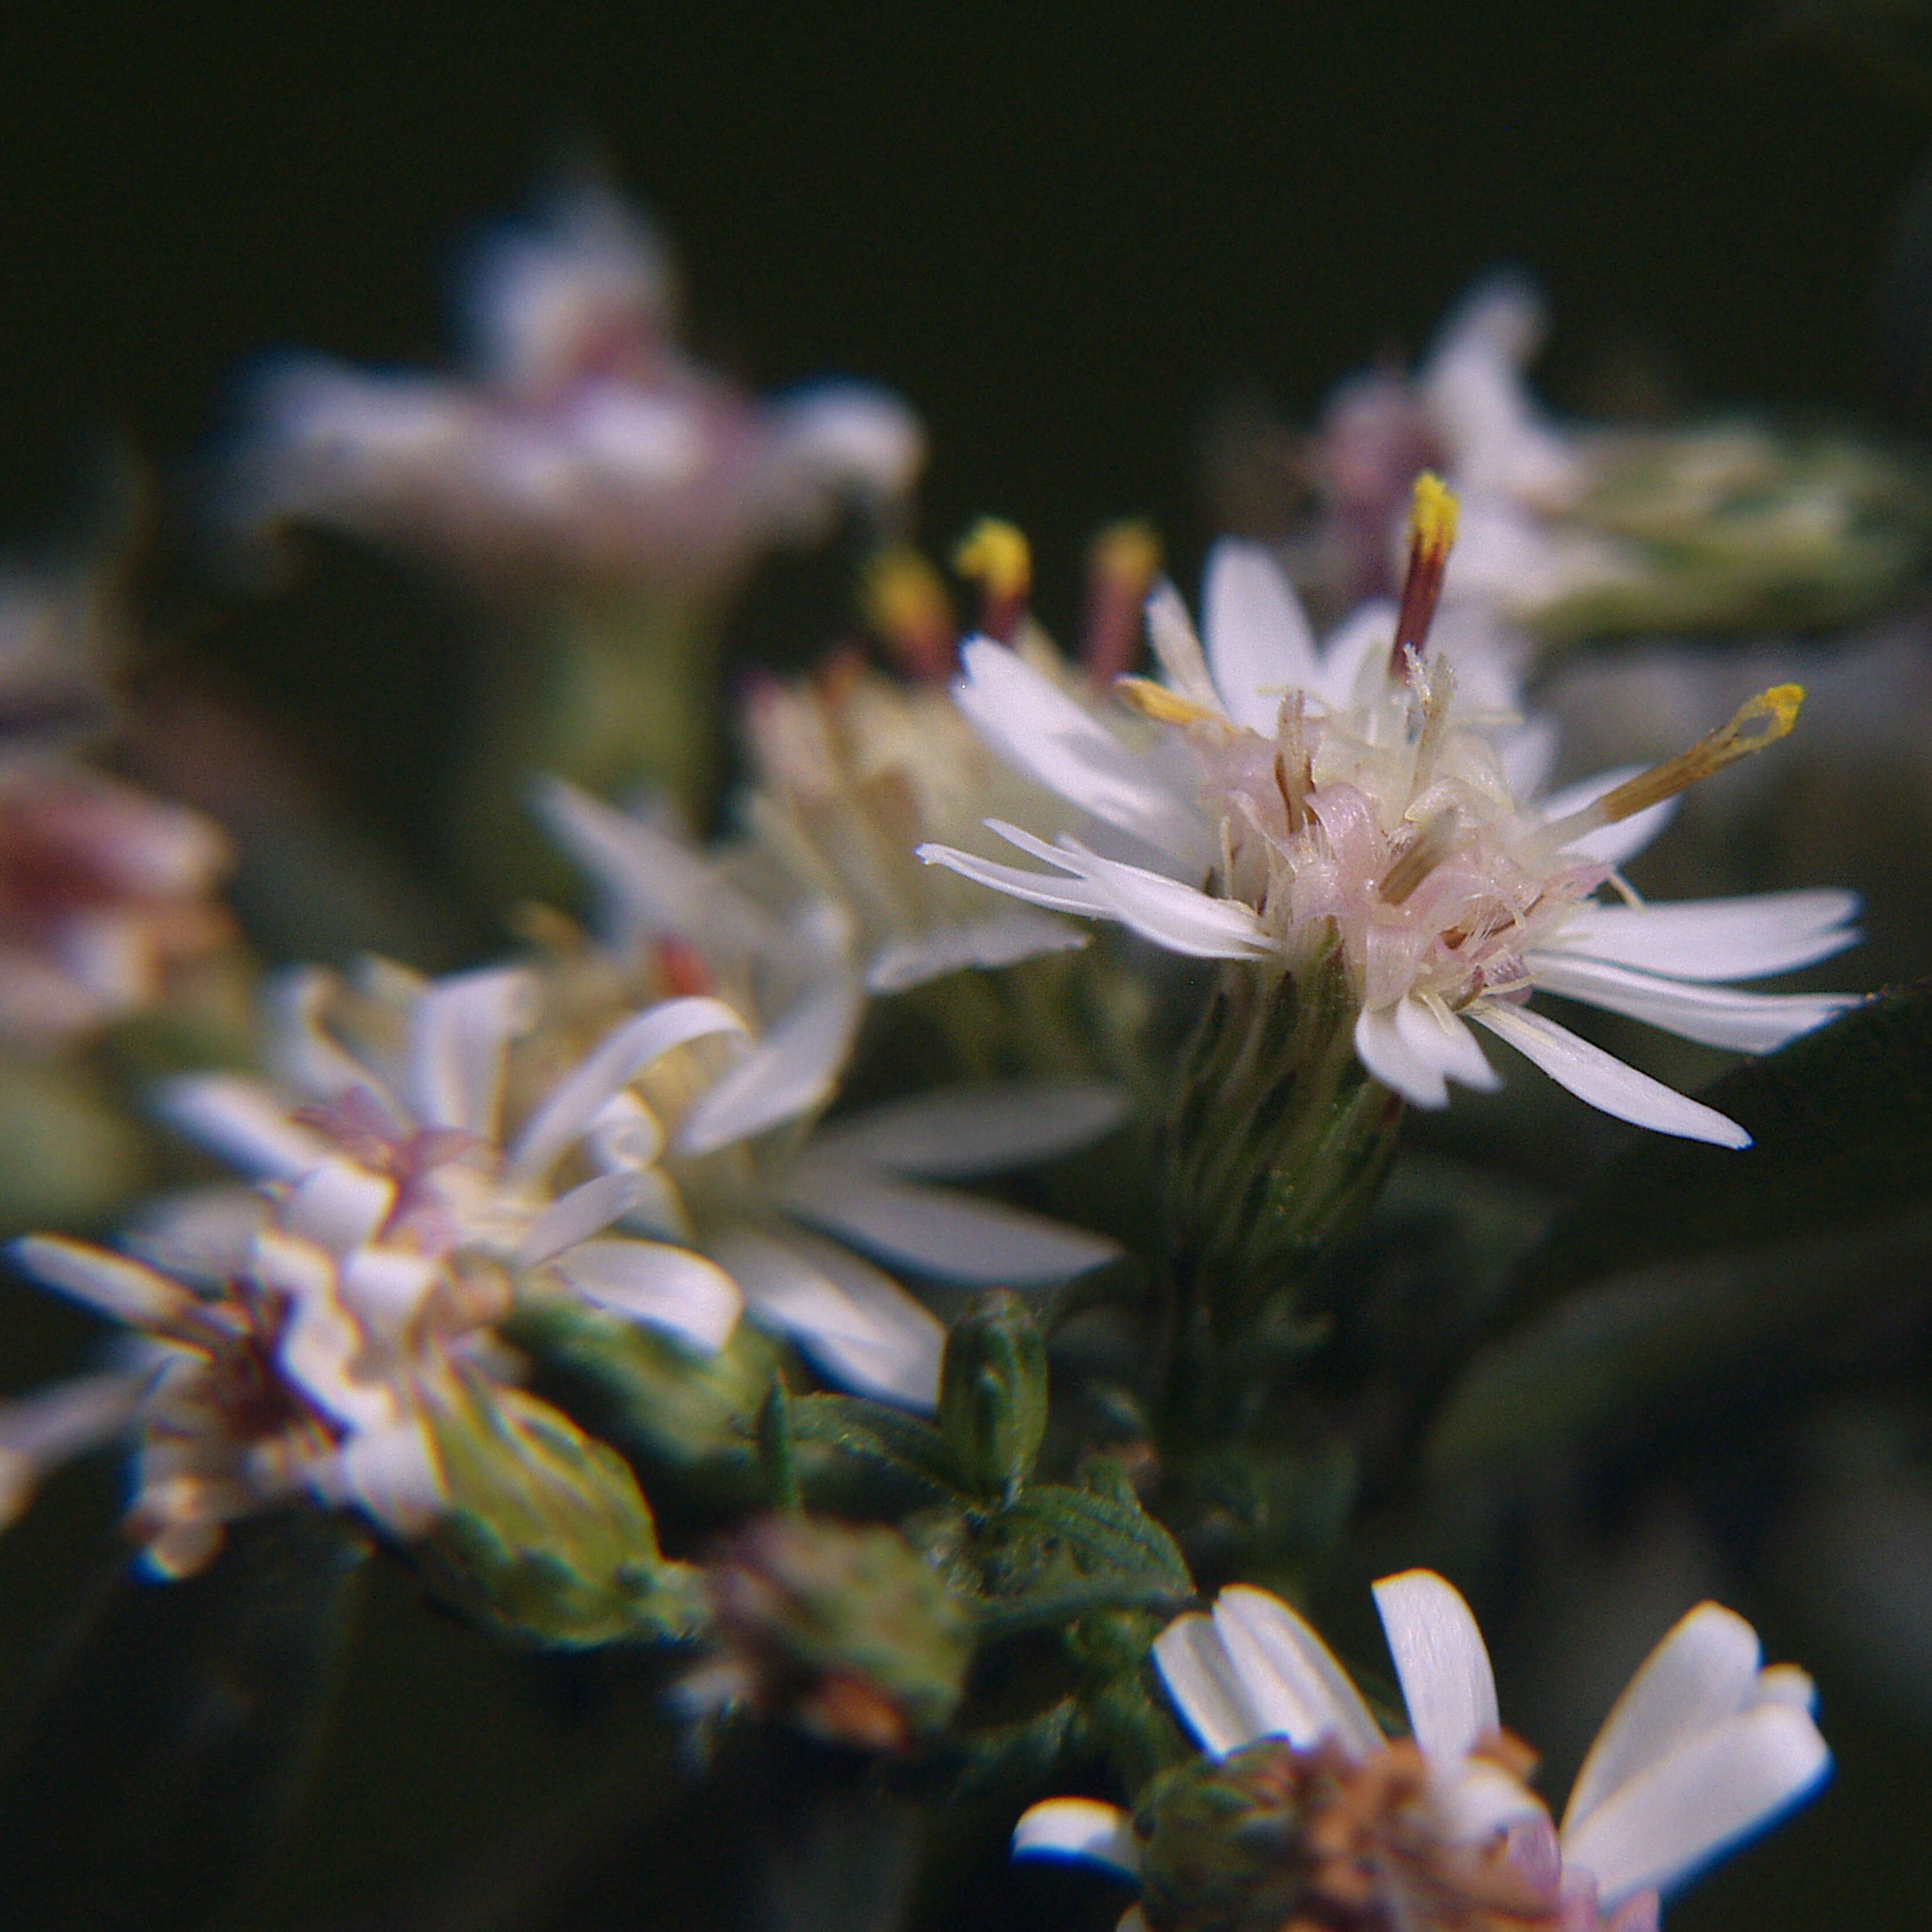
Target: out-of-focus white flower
(414, 1107)
(289, 1366)
(587, 445)
(1705, 1747)
(760, 1187)
(103, 889)
(1573, 528)
(1366, 801)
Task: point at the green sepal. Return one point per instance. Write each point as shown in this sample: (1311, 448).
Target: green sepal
(547, 1537)
(992, 1394)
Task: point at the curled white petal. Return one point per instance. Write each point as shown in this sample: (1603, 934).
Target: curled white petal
(791, 1071)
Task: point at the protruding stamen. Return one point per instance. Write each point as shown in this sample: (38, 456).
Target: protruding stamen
(906, 608)
(1432, 531)
(996, 557)
(1762, 721)
(1121, 567)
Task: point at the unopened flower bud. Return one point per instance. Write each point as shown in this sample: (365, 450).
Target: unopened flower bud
(548, 1536)
(848, 1629)
(992, 1393)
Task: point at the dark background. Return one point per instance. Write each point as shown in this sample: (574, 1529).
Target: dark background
(1066, 235)
(1063, 232)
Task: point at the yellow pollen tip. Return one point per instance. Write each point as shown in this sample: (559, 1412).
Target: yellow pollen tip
(902, 596)
(1156, 701)
(995, 554)
(1432, 512)
(1128, 554)
(1759, 721)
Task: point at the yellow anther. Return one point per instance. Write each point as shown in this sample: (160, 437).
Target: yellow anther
(1168, 707)
(902, 597)
(1760, 721)
(1128, 554)
(995, 556)
(1432, 512)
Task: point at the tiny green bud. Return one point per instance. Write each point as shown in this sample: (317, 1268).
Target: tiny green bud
(548, 1536)
(992, 1393)
(848, 1629)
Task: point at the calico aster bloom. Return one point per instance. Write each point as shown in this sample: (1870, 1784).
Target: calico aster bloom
(781, 1201)
(1372, 803)
(403, 1082)
(1704, 1746)
(587, 445)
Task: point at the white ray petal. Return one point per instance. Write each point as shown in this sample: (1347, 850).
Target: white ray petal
(1716, 1788)
(790, 1072)
(611, 1066)
(952, 1237)
(1208, 1691)
(1717, 1015)
(390, 1471)
(1705, 1668)
(1002, 941)
(1041, 888)
(655, 885)
(663, 1287)
(243, 1122)
(587, 1209)
(1177, 650)
(1715, 939)
(1259, 645)
(1177, 916)
(1399, 1063)
(1475, 1798)
(1290, 1676)
(111, 1283)
(1033, 724)
(1441, 1660)
(982, 1129)
(1435, 1033)
(459, 1029)
(1079, 1827)
(859, 1325)
(1605, 1082)
(1608, 844)
(1365, 635)
(40, 1431)
(300, 1052)
(338, 1205)
(385, 1289)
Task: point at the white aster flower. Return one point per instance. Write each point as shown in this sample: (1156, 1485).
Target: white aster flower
(412, 1108)
(777, 1200)
(1369, 804)
(290, 1364)
(587, 444)
(1704, 1746)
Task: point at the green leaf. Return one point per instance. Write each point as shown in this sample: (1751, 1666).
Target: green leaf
(1101, 1533)
(1841, 1124)
(1683, 1259)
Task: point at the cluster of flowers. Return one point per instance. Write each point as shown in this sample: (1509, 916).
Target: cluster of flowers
(641, 1124)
